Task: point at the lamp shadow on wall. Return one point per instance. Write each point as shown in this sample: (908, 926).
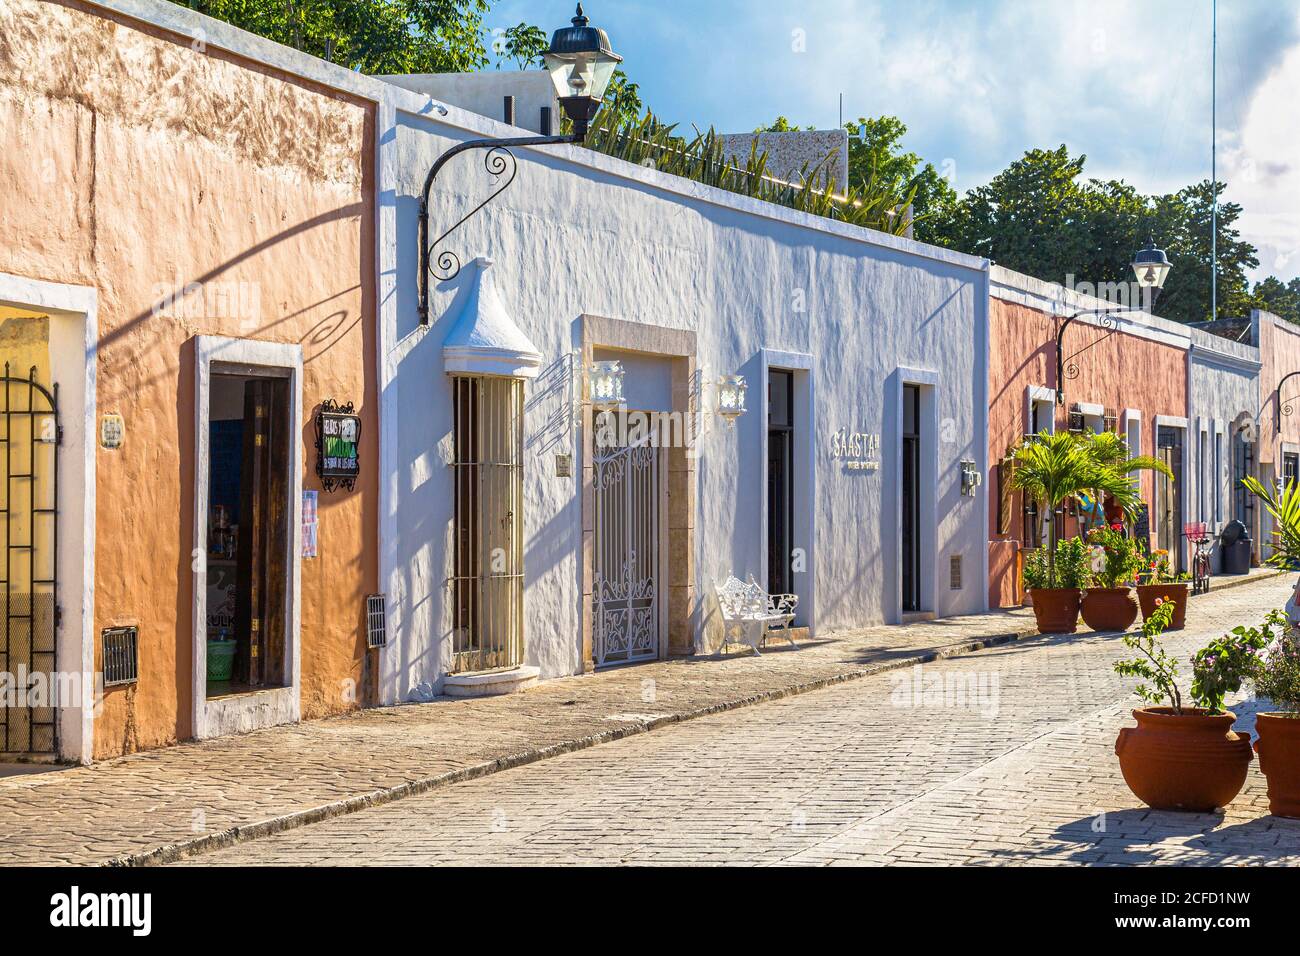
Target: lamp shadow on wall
(551, 429)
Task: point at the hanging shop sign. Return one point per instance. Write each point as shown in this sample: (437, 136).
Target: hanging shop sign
(338, 437)
(858, 450)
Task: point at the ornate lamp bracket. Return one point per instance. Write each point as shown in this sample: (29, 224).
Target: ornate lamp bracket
(1285, 409)
(498, 161)
(1066, 366)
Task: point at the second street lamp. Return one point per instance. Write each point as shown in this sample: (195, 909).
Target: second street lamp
(1151, 266)
(581, 64)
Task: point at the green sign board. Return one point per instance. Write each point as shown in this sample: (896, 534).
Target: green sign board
(338, 440)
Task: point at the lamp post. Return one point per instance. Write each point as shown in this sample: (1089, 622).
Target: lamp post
(581, 63)
(1151, 266)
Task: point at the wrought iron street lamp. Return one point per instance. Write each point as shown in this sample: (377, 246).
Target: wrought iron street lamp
(1151, 266)
(581, 63)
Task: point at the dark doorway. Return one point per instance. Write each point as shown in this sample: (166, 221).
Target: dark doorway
(780, 480)
(911, 496)
(1169, 514)
(248, 532)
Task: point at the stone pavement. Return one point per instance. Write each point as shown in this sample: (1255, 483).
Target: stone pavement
(1011, 764)
(160, 804)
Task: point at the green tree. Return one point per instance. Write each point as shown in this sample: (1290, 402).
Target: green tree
(372, 36)
(1041, 217)
(876, 150)
(877, 160)
(523, 44)
(1282, 299)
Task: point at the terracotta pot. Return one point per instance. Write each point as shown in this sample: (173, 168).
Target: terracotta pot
(1278, 747)
(1056, 610)
(1191, 761)
(1109, 609)
(1148, 594)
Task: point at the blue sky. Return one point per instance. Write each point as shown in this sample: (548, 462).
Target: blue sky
(979, 82)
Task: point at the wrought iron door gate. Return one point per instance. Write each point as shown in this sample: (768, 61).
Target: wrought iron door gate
(626, 570)
(29, 415)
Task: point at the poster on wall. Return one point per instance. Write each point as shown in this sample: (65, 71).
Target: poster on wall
(309, 524)
(338, 438)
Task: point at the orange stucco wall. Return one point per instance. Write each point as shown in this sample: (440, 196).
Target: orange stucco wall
(138, 164)
(1121, 372)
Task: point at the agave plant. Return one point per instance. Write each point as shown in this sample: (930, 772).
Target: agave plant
(1054, 467)
(1284, 508)
(877, 204)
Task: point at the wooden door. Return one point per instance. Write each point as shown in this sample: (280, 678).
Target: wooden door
(263, 558)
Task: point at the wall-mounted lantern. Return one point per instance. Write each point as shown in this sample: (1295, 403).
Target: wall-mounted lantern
(731, 397)
(606, 384)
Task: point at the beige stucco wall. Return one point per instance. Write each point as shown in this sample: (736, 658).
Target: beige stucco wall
(141, 163)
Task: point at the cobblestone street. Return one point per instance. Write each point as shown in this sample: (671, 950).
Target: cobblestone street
(1018, 770)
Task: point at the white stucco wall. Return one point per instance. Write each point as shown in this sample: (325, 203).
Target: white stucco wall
(860, 314)
(584, 234)
(1223, 393)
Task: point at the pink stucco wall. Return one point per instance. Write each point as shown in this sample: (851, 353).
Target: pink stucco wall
(1120, 372)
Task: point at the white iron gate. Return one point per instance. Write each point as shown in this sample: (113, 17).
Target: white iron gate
(626, 582)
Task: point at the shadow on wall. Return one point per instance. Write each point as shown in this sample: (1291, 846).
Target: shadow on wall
(322, 336)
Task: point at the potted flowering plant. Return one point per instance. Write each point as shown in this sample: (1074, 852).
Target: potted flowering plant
(1158, 581)
(1276, 676)
(1115, 560)
(1180, 757)
(1052, 469)
(1069, 563)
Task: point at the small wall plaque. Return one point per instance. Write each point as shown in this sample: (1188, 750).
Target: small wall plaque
(338, 440)
(563, 466)
(112, 430)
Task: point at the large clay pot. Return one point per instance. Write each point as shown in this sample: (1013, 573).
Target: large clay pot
(1056, 610)
(1191, 761)
(1148, 594)
(1109, 609)
(1278, 747)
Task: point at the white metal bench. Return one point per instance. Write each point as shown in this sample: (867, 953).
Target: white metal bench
(749, 613)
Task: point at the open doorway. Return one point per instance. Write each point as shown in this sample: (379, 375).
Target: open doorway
(247, 555)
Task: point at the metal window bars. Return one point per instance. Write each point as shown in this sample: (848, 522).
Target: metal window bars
(488, 578)
(31, 438)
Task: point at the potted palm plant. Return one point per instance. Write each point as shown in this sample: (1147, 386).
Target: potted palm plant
(1052, 469)
(1183, 757)
(1069, 562)
(1108, 603)
(1277, 671)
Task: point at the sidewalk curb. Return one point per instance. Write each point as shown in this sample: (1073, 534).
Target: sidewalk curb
(172, 852)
